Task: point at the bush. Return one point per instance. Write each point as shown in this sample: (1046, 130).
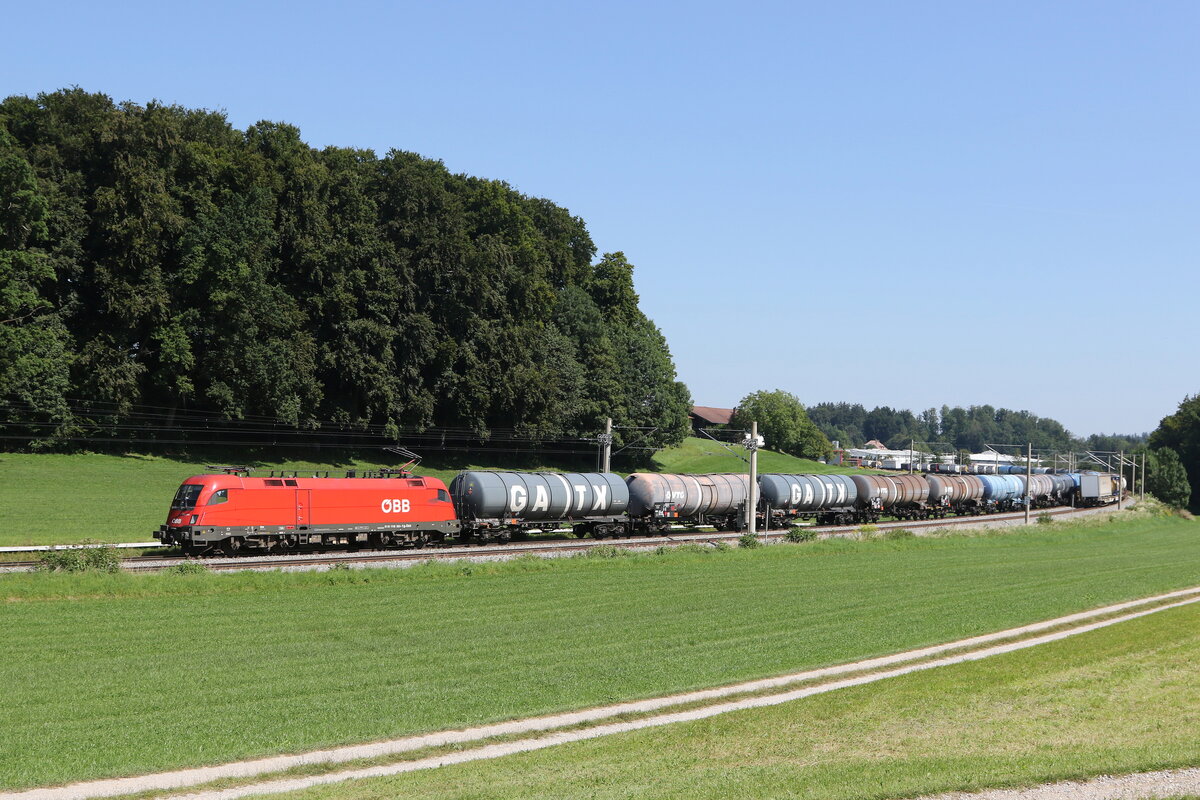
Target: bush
(692, 547)
(688, 547)
(898, 533)
(606, 551)
(1151, 506)
(749, 541)
(188, 568)
(103, 558)
(1044, 518)
(867, 531)
(797, 535)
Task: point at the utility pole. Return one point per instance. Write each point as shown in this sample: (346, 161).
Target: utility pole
(1120, 477)
(606, 439)
(1143, 494)
(1028, 479)
(1137, 483)
(752, 489)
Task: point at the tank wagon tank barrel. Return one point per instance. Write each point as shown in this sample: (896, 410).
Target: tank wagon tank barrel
(659, 500)
(1002, 492)
(962, 494)
(828, 498)
(497, 505)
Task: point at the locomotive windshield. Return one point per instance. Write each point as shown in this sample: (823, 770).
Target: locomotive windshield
(187, 495)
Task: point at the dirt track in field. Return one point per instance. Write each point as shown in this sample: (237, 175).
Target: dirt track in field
(1166, 783)
(181, 779)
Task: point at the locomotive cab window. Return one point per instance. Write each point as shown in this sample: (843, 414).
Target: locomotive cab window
(219, 497)
(445, 498)
(187, 496)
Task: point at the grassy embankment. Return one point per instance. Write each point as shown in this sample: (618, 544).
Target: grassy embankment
(1115, 701)
(63, 499)
(118, 674)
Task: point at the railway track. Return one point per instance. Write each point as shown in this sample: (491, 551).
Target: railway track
(552, 548)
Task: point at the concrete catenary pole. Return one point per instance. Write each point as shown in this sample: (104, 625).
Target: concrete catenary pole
(752, 494)
(1028, 479)
(1143, 494)
(1120, 477)
(606, 439)
(1139, 474)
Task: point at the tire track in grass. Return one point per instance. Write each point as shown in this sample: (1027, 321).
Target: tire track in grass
(180, 779)
(1137, 786)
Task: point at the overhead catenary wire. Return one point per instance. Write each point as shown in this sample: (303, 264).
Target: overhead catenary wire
(331, 428)
(145, 424)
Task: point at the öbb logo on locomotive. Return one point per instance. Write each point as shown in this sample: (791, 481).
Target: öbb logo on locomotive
(235, 512)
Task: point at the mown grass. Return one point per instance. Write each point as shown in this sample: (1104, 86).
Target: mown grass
(1115, 701)
(117, 674)
(65, 499)
(704, 455)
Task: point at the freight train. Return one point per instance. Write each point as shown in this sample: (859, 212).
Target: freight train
(232, 512)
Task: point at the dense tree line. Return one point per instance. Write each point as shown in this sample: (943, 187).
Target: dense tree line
(1175, 444)
(956, 428)
(156, 257)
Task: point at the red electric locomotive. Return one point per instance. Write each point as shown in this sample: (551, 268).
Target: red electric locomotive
(233, 512)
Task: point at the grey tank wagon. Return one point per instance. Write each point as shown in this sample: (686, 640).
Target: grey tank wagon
(497, 506)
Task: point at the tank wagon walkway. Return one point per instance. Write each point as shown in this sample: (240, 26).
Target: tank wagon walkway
(860, 672)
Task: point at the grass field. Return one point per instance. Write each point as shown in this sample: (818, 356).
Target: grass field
(64, 499)
(1113, 701)
(704, 455)
(117, 674)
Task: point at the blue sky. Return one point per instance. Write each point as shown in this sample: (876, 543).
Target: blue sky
(906, 204)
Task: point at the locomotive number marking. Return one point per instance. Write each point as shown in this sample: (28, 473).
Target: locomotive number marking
(396, 506)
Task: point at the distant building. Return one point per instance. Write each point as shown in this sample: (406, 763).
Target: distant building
(999, 459)
(707, 417)
(874, 454)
